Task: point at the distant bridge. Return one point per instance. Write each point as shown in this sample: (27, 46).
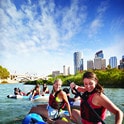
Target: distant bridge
(20, 77)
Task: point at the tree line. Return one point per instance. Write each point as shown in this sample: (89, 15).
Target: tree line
(109, 78)
(113, 78)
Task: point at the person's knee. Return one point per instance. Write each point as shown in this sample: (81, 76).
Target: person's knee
(61, 122)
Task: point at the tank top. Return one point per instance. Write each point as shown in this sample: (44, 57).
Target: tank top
(54, 101)
(88, 117)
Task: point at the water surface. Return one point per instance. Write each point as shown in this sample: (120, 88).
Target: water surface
(12, 111)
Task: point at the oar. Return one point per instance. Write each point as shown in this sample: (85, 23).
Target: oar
(78, 93)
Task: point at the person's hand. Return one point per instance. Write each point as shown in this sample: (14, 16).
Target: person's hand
(71, 117)
(72, 85)
(30, 99)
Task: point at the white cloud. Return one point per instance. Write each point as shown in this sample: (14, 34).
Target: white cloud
(94, 27)
(117, 24)
(40, 40)
(28, 35)
(97, 23)
(115, 49)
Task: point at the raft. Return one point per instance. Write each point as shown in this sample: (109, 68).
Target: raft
(17, 97)
(34, 118)
(44, 98)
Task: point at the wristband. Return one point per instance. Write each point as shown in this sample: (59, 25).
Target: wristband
(76, 87)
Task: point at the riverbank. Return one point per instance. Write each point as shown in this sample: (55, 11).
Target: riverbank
(2, 81)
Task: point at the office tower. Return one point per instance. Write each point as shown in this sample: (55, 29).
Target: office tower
(113, 62)
(103, 64)
(77, 62)
(99, 54)
(55, 73)
(123, 58)
(90, 64)
(69, 70)
(66, 70)
(81, 65)
(122, 63)
(98, 63)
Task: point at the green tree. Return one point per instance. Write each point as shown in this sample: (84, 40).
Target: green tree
(4, 73)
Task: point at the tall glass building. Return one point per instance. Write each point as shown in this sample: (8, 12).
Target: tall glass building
(113, 62)
(90, 64)
(99, 54)
(99, 62)
(122, 63)
(78, 62)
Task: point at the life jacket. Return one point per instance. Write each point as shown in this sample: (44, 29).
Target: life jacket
(44, 89)
(54, 103)
(36, 92)
(86, 112)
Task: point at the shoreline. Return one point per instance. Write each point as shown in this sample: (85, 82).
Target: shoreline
(9, 81)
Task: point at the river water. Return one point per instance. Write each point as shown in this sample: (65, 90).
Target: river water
(12, 111)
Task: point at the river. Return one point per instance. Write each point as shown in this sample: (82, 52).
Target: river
(12, 111)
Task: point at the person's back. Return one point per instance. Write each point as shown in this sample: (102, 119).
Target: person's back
(21, 93)
(45, 89)
(36, 91)
(66, 90)
(76, 96)
(16, 91)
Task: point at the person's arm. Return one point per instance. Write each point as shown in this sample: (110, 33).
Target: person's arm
(39, 91)
(47, 90)
(33, 93)
(79, 88)
(64, 96)
(108, 104)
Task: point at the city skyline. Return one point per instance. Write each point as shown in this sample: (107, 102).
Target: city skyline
(39, 37)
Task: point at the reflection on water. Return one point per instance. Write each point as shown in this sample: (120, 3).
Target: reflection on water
(12, 111)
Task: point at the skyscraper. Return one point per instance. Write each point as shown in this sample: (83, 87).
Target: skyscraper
(113, 62)
(122, 63)
(99, 54)
(99, 62)
(90, 64)
(78, 62)
(81, 64)
(66, 70)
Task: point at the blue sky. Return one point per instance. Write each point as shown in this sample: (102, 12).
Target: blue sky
(40, 36)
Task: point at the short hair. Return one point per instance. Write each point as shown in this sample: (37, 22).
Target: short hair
(57, 80)
(66, 90)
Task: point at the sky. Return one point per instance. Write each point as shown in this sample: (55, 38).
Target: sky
(40, 36)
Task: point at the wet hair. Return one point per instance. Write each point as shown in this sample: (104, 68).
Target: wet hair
(37, 86)
(15, 89)
(66, 90)
(44, 85)
(57, 80)
(91, 75)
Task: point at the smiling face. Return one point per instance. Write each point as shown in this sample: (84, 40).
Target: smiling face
(57, 85)
(90, 81)
(89, 84)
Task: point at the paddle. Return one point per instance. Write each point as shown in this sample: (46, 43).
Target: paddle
(88, 105)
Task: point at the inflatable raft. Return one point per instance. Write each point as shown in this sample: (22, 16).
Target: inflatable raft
(44, 98)
(17, 97)
(34, 118)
